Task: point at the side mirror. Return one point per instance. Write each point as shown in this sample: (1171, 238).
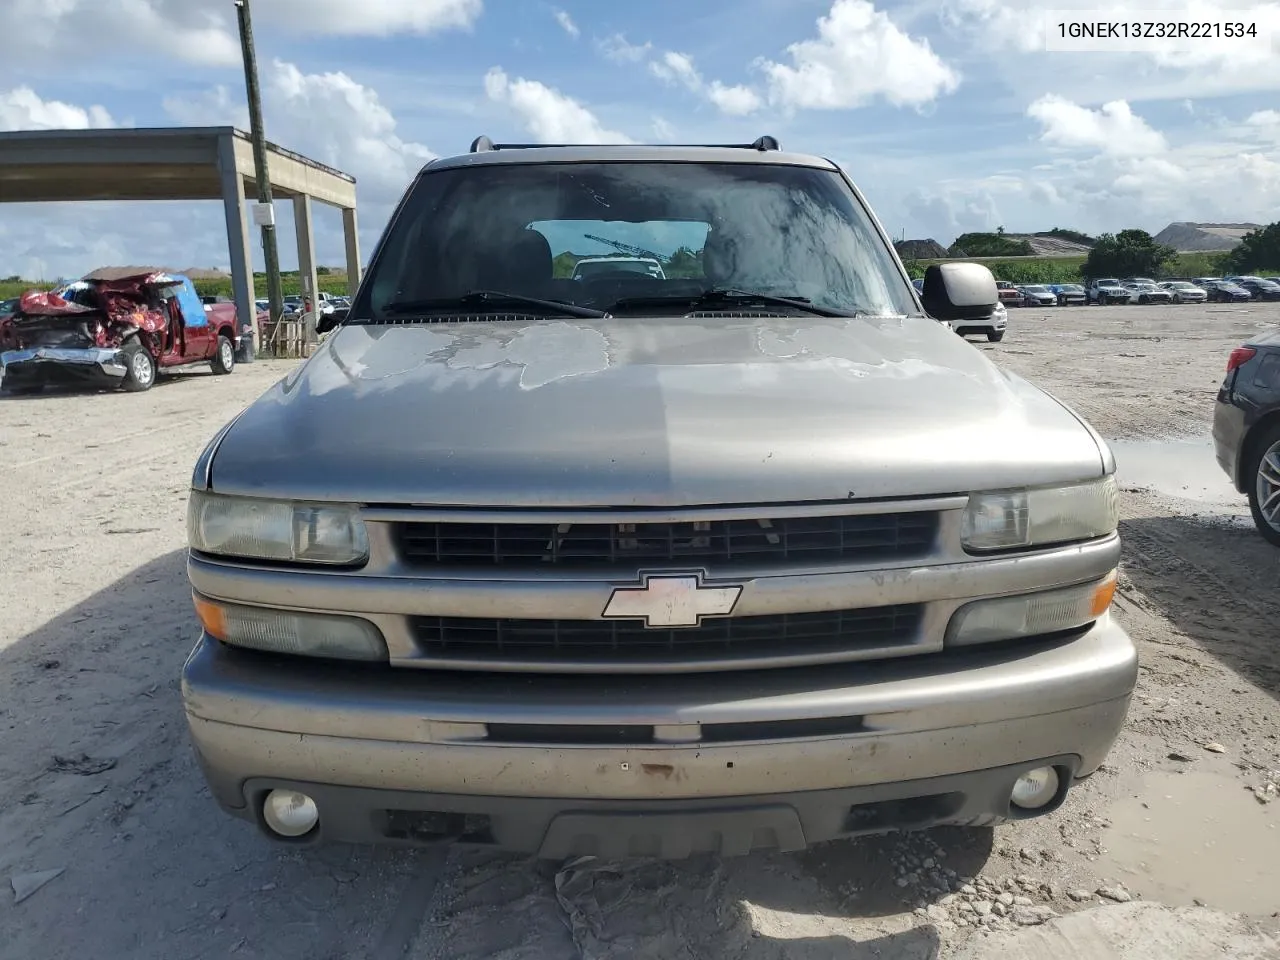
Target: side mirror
(959, 291)
(328, 321)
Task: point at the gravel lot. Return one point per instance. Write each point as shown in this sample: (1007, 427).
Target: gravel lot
(97, 780)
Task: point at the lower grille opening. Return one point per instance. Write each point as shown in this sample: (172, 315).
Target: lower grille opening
(782, 729)
(589, 734)
(437, 826)
(631, 642)
(569, 734)
(903, 814)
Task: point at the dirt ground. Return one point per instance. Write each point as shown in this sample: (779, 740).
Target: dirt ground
(97, 780)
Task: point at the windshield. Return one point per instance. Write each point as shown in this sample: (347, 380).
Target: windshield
(672, 230)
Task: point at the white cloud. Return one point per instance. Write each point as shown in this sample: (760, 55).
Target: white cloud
(1172, 69)
(678, 68)
(22, 109)
(1264, 118)
(617, 49)
(183, 29)
(215, 107)
(1222, 177)
(736, 101)
(340, 122)
(373, 17)
(548, 114)
(662, 130)
(200, 31)
(858, 56)
(567, 24)
(1114, 129)
(327, 116)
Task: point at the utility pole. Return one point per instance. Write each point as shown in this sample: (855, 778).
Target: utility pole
(266, 216)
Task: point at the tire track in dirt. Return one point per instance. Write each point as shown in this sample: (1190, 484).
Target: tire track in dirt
(1230, 610)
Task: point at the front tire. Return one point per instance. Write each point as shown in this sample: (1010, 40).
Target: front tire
(224, 357)
(140, 368)
(1264, 485)
(995, 337)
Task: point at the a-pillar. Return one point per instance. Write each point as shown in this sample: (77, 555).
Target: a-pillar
(307, 260)
(238, 243)
(351, 235)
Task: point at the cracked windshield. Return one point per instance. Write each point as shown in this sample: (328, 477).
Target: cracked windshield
(746, 480)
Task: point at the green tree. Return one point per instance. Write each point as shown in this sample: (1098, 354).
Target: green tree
(684, 263)
(1075, 236)
(1129, 253)
(1257, 250)
(562, 265)
(989, 245)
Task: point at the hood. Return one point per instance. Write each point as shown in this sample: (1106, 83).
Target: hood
(39, 303)
(645, 412)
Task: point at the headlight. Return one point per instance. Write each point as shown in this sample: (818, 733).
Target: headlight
(276, 530)
(1031, 614)
(1038, 516)
(284, 631)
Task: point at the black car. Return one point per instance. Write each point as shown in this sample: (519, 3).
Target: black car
(1246, 428)
(1224, 291)
(1260, 288)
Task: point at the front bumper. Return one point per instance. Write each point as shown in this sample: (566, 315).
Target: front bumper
(102, 365)
(667, 765)
(1229, 429)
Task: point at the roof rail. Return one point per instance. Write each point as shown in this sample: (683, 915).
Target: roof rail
(483, 144)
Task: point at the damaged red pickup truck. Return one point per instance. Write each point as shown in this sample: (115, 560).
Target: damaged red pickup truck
(114, 333)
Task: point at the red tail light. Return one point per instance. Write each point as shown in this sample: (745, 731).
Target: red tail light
(1239, 357)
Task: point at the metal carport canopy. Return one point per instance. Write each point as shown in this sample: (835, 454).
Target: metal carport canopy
(181, 163)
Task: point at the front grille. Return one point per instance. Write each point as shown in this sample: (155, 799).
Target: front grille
(620, 642)
(784, 541)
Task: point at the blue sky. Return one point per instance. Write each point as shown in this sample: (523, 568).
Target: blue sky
(951, 115)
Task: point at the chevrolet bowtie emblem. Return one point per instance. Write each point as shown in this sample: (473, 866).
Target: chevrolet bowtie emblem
(672, 601)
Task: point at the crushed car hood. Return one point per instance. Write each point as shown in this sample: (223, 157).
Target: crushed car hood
(43, 304)
(659, 412)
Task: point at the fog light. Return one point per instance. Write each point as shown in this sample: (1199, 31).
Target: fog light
(290, 814)
(1035, 788)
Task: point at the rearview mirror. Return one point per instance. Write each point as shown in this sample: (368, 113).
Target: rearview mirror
(959, 291)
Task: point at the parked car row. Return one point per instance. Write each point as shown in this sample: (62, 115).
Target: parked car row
(1183, 290)
(1143, 290)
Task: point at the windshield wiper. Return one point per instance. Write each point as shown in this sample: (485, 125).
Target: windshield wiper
(723, 296)
(492, 298)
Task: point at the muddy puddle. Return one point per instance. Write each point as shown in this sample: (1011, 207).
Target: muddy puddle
(1197, 835)
(1185, 469)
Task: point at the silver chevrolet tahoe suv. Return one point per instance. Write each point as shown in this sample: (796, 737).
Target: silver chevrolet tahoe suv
(755, 554)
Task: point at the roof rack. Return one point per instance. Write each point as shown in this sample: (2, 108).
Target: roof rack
(483, 144)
